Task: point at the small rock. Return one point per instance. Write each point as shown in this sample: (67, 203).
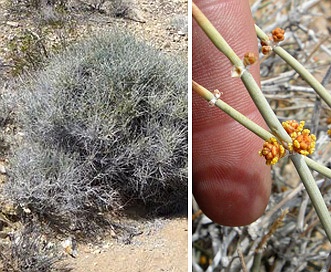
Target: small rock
(3, 169)
(70, 247)
(12, 24)
(105, 246)
(26, 210)
(176, 39)
(113, 234)
(97, 251)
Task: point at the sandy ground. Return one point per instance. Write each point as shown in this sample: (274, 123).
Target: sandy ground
(162, 248)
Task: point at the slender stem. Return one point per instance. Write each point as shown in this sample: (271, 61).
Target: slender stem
(313, 192)
(214, 35)
(298, 67)
(240, 118)
(257, 262)
(261, 35)
(248, 80)
(264, 108)
(325, 171)
(318, 105)
(252, 126)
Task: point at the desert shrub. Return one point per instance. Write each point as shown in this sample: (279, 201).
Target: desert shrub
(5, 111)
(35, 4)
(26, 50)
(56, 188)
(104, 124)
(116, 7)
(29, 251)
(7, 120)
(122, 8)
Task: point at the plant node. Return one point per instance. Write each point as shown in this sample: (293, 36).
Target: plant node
(277, 35)
(266, 47)
(237, 71)
(217, 94)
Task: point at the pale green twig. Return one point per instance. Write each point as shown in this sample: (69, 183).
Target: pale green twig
(325, 171)
(264, 108)
(313, 192)
(298, 67)
(252, 126)
(215, 37)
(240, 118)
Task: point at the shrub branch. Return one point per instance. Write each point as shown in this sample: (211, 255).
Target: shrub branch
(298, 67)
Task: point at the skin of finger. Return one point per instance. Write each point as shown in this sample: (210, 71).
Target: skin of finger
(231, 182)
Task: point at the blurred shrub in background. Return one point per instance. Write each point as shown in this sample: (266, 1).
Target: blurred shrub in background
(30, 252)
(105, 124)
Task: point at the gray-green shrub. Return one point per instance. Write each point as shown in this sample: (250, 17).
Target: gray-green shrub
(104, 124)
(29, 251)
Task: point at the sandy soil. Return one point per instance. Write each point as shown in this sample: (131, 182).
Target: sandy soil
(162, 248)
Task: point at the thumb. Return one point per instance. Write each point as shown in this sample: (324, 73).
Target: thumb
(231, 182)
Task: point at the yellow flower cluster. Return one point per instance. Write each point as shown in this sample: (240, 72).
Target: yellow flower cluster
(278, 34)
(303, 142)
(272, 151)
(293, 126)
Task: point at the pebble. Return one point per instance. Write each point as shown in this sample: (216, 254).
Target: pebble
(12, 24)
(3, 169)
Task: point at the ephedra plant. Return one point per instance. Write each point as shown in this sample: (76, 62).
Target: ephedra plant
(289, 138)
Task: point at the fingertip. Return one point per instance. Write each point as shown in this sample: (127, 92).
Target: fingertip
(237, 199)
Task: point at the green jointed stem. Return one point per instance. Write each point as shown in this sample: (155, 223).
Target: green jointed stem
(236, 115)
(252, 126)
(261, 35)
(264, 107)
(215, 36)
(325, 171)
(298, 67)
(313, 192)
